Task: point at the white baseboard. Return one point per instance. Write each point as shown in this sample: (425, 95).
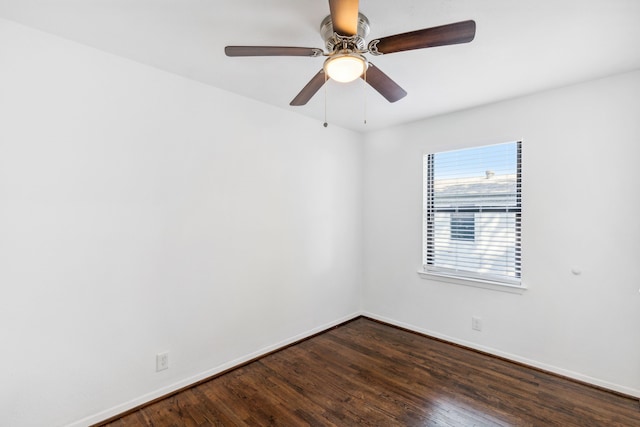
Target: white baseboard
(534, 363)
(148, 397)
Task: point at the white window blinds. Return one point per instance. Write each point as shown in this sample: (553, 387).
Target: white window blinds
(472, 213)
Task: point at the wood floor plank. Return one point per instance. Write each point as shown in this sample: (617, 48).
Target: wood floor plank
(371, 374)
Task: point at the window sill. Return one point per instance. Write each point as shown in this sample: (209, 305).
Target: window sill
(476, 283)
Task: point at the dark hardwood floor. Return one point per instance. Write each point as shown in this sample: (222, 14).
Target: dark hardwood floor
(367, 373)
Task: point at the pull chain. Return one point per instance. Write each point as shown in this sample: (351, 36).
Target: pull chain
(365, 95)
(325, 124)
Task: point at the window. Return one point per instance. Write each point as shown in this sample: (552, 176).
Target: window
(472, 213)
(463, 225)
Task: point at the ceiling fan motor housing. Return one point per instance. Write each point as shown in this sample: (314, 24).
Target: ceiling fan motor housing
(336, 42)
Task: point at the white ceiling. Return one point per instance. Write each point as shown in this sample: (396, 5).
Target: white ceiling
(520, 47)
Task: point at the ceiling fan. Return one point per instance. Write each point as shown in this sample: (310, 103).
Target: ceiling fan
(344, 32)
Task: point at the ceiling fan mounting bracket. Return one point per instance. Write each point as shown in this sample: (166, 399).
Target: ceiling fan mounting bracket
(373, 47)
(334, 41)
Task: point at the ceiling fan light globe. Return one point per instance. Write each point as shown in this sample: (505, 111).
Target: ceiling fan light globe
(345, 68)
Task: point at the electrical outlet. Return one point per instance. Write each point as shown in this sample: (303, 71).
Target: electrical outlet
(476, 323)
(162, 361)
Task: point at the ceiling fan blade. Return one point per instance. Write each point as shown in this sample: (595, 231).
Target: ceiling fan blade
(460, 32)
(309, 90)
(344, 16)
(271, 51)
(383, 84)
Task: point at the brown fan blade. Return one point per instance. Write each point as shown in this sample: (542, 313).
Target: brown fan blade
(271, 51)
(344, 16)
(460, 32)
(383, 84)
(309, 90)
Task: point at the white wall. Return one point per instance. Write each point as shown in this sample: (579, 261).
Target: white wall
(141, 212)
(581, 208)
